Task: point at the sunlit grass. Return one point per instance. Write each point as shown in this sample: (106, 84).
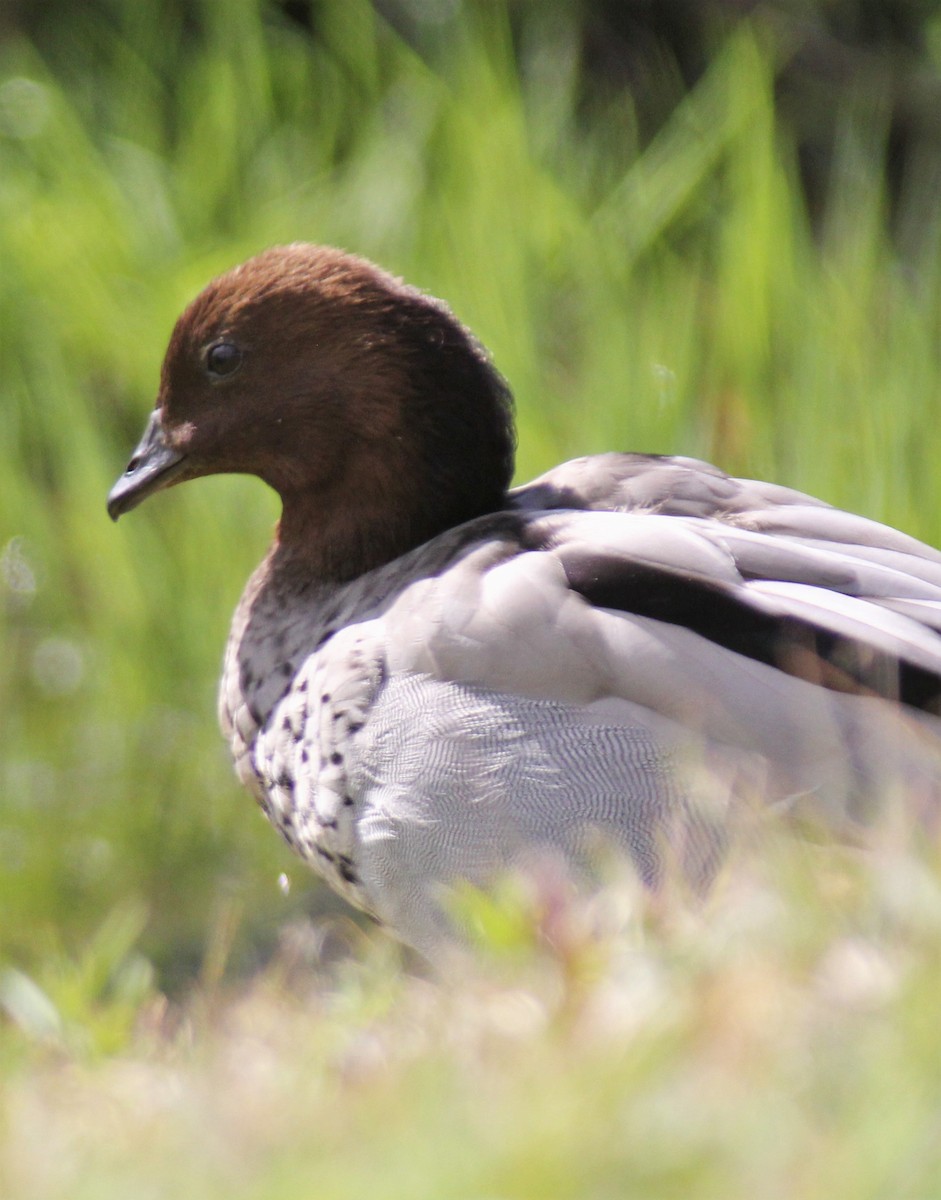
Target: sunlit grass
(668, 298)
(781, 1041)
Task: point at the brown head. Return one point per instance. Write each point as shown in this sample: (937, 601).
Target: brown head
(365, 404)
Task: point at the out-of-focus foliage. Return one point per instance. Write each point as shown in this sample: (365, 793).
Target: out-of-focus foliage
(647, 284)
(781, 1042)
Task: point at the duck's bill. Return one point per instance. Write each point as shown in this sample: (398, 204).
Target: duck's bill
(154, 465)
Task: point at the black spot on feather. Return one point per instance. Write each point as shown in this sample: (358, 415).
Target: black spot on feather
(345, 867)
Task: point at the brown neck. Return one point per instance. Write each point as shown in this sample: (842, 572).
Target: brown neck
(337, 542)
(446, 458)
(339, 534)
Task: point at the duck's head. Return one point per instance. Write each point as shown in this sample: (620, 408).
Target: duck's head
(364, 403)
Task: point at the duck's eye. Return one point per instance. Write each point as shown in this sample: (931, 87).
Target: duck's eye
(222, 359)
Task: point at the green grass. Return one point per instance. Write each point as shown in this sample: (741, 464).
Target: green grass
(782, 1042)
(671, 297)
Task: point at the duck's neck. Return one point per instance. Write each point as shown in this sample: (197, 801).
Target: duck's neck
(334, 543)
(334, 538)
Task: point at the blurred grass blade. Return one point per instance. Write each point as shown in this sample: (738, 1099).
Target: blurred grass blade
(26, 1004)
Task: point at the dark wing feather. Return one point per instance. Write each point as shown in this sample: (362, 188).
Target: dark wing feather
(817, 650)
(883, 639)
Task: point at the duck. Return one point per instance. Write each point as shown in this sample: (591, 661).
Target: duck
(433, 677)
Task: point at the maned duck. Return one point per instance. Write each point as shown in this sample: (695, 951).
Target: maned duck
(430, 677)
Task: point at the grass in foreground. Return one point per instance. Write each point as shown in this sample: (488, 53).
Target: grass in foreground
(781, 1041)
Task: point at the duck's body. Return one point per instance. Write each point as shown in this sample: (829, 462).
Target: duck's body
(427, 682)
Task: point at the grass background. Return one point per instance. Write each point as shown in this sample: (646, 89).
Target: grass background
(665, 293)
